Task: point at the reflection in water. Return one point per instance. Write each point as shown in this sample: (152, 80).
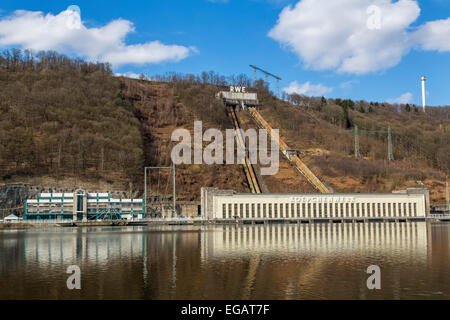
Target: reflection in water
(320, 239)
(276, 261)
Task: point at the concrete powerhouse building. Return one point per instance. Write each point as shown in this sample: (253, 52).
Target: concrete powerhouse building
(226, 205)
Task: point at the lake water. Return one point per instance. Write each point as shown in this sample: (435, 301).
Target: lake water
(276, 261)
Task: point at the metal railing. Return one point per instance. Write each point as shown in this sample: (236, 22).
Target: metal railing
(248, 168)
(294, 159)
(439, 216)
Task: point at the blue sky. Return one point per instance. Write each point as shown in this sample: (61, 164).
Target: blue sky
(316, 48)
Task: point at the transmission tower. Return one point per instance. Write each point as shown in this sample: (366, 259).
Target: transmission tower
(356, 132)
(390, 153)
(266, 74)
(357, 154)
(164, 200)
(447, 192)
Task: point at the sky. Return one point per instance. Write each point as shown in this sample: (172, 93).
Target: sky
(373, 50)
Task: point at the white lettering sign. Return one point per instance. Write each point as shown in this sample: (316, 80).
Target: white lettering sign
(323, 199)
(237, 89)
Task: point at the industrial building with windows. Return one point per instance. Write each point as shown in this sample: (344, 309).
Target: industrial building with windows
(226, 205)
(82, 206)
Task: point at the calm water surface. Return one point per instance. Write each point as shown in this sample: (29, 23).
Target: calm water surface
(319, 261)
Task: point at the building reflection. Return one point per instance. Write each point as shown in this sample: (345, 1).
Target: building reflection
(82, 245)
(274, 261)
(317, 239)
(97, 245)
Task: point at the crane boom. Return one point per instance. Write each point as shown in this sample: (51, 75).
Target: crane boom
(265, 72)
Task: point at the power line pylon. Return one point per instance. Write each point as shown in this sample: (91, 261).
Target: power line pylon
(357, 154)
(390, 153)
(356, 131)
(447, 195)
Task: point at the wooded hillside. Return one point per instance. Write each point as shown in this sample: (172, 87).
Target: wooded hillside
(65, 117)
(69, 119)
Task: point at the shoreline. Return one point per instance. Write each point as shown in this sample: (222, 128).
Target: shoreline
(80, 224)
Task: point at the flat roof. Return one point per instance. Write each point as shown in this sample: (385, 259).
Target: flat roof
(318, 195)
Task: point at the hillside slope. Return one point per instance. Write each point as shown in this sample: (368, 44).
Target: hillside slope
(66, 123)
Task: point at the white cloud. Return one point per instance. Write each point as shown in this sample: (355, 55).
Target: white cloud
(345, 36)
(128, 74)
(66, 33)
(348, 84)
(307, 89)
(403, 99)
(434, 35)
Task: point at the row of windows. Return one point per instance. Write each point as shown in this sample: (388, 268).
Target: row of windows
(318, 210)
(53, 211)
(70, 206)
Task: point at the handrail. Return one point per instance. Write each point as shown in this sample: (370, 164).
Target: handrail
(248, 168)
(294, 159)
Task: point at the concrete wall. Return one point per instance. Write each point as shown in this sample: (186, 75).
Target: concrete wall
(313, 206)
(207, 200)
(190, 210)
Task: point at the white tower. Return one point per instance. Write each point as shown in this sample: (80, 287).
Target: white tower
(424, 101)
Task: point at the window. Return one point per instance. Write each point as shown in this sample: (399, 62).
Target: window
(394, 209)
(247, 210)
(264, 211)
(319, 209)
(235, 210)
(270, 210)
(286, 211)
(80, 201)
(224, 208)
(253, 210)
(379, 210)
(309, 210)
(292, 210)
(241, 211)
(415, 209)
(259, 210)
(409, 209)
